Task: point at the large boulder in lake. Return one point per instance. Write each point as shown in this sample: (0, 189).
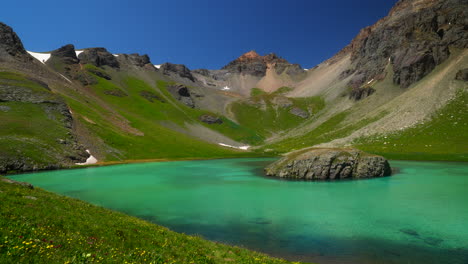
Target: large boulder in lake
(329, 164)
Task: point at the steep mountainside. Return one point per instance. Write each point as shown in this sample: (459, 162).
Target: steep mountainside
(403, 79)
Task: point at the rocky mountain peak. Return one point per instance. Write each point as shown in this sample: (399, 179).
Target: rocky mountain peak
(66, 53)
(251, 55)
(10, 43)
(252, 63)
(98, 57)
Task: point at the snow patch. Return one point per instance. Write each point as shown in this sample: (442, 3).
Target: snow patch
(65, 78)
(42, 57)
(226, 88)
(230, 146)
(157, 66)
(78, 52)
(370, 81)
(115, 55)
(89, 161)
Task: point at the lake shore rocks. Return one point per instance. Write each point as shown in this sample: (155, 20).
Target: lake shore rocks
(329, 164)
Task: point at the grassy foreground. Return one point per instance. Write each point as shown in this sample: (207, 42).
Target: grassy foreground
(41, 227)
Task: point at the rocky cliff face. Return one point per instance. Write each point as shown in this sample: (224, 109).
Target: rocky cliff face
(98, 57)
(10, 44)
(330, 164)
(414, 38)
(66, 53)
(177, 70)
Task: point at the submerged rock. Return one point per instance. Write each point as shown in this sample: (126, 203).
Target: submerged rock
(329, 164)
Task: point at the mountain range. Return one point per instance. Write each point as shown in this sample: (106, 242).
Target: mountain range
(399, 89)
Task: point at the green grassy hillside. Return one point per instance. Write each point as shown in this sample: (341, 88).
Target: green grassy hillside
(269, 113)
(41, 227)
(441, 137)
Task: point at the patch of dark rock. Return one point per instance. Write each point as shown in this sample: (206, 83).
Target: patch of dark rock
(136, 59)
(410, 232)
(187, 101)
(5, 108)
(150, 96)
(98, 57)
(24, 184)
(67, 54)
(329, 164)
(462, 75)
(294, 69)
(182, 94)
(299, 112)
(10, 43)
(117, 93)
(203, 72)
(361, 93)
(413, 67)
(100, 73)
(178, 69)
(210, 119)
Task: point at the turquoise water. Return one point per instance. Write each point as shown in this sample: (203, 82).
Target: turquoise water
(419, 215)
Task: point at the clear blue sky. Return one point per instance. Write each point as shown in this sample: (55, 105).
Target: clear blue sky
(198, 33)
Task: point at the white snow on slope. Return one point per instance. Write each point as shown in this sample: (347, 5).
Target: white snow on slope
(77, 52)
(90, 160)
(230, 146)
(225, 88)
(65, 78)
(115, 55)
(42, 57)
(157, 66)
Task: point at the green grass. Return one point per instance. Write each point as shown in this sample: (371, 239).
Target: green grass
(256, 92)
(443, 137)
(155, 140)
(30, 132)
(333, 128)
(57, 229)
(261, 114)
(283, 90)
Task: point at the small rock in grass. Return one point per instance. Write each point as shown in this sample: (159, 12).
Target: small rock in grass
(30, 197)
(4, 108)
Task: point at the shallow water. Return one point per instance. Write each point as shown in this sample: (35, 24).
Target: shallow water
(419, 215)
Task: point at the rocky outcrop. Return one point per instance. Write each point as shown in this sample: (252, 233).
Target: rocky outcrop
(177, 69)
(251, 63)
(210, 119)
(98, 57)
(462, 75)
(414, 38)
(136, 59)
(67, 54)
(151, 96)
(361, 93)
(299, 112)
(10, 44)
(329, 164)
(182, 94)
